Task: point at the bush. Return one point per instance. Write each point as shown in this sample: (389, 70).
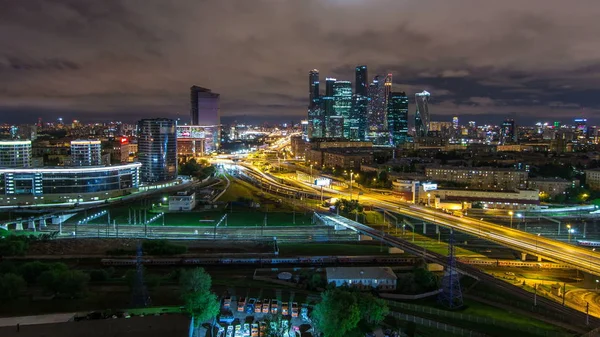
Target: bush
(14, 245)
(162, 247)
(99, 275)
(32, 270)
(11, 285)
(66, 282)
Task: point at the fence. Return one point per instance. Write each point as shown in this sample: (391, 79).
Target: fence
(437, 325)
(470, 318)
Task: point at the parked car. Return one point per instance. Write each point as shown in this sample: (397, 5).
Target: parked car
(258, 306)
(250, 305)
(241, 304)
(266, 304)
(254, 331)
(246, 330)
(295, 309)
(227, 302)
(284, 308)
(274, 307)
(238, 331)
(263, 329)
(226, 316)
(229, 331)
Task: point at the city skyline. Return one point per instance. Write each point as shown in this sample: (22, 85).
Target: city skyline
(73, 60)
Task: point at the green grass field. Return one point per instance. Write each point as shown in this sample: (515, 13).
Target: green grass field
(241, 216)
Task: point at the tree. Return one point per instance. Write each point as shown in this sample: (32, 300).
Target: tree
(337, 314)
(11, 285)
(198, 300)
(372, 309)
(72, 283)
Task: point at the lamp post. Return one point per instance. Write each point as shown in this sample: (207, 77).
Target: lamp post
(351, 175)
(511, 213)
(311, 166)
(536, 242)
(428, 199)
(569, 231)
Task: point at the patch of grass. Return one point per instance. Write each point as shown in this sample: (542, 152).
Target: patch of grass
(239, 189)
(317, 249)
(373, 217)
(500, 315)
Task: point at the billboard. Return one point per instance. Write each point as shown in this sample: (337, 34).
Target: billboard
(322, 181)
(429, 187)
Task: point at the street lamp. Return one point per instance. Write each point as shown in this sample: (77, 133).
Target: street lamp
(511, 213)
(429, 199)
(311, 166)
(569, 231)
(351, 175)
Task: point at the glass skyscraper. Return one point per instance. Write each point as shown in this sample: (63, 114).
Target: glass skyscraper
(204, 108)
(327, 104)
(361, 80)
(157, 150)
(377, 108)
(316, 123)
(342, 103)
(397, 118)
(422, 118)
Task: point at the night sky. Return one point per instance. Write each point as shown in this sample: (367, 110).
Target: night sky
(481, 60)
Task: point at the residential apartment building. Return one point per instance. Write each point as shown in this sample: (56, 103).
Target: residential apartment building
(480, 177)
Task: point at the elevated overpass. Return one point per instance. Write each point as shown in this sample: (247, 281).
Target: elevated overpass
(562, 313)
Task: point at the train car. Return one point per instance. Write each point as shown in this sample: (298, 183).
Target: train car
(588, 243)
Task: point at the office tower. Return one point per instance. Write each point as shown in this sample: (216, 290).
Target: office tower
(335, 127)
(304, 126)
(508, 132)
(204, 107)
(377, 111)
(342, 103)
(327, 104)
(316, 123)
(455, 123)
(313, 86)
(422, 113)
(361, 80)
(387, 91)
(157, 149)
(358, 117)
(86, 153)
(397, 118)
(581, 127)
(15, 153)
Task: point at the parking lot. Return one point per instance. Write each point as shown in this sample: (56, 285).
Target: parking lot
(251, 314)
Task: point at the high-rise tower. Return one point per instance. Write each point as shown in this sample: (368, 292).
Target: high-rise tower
(342, 103)
(157, 149)
(422, 113)
(327, 105)
(86, 152)
(316, 123)
(204, 108)
(361, 80)
(397, 118)
(376, 110)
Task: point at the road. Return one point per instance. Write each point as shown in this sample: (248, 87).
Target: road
(546, 248)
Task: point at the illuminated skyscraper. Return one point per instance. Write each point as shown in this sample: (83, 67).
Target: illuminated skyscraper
(335, 127)
(316, 122)
(157, 149)
(386, 95)
(342, 103)
(422, 113)
(327, 104)
(455, 123)
(377, 112)
(509, 132)
(361, 80)
(397, 118)
(15, 153)
(358, 117)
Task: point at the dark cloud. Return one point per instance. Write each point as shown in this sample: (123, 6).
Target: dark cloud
(95, 60)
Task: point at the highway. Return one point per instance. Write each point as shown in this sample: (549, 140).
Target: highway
(582, 258)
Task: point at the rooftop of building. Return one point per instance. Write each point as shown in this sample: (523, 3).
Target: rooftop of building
(468, 168)
(357, 273)
(550, 179)
(148, 326)
(183, 194)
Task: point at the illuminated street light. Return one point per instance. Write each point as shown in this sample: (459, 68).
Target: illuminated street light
(569, 230)
(429, 199)
(511, 213)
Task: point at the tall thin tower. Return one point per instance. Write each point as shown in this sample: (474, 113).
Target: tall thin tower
(422, 118)
(451, 295)
(387, 87)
